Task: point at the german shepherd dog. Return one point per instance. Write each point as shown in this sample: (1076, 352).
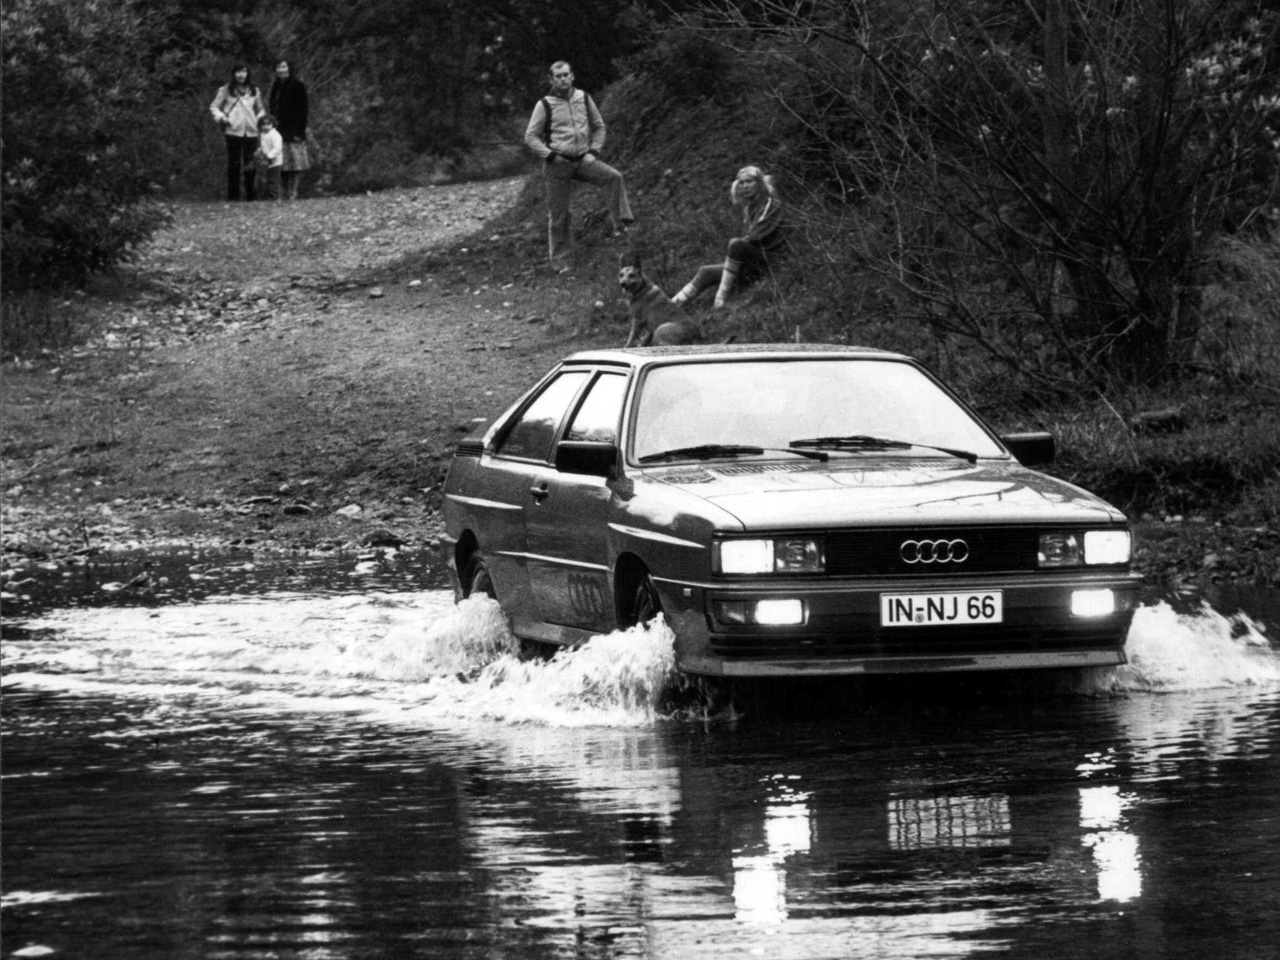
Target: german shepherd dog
(655, 320)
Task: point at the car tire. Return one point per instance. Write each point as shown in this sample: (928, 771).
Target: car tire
(644, 602)
(478, 579)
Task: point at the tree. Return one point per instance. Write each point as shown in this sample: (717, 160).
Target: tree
(78, 192)
(1036, 176)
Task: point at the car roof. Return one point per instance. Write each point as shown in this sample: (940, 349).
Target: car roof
(642, 356)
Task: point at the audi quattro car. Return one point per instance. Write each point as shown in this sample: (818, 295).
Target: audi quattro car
(790, 511)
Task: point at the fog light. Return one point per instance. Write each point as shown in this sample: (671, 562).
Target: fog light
(1093, 603)
(779, 612)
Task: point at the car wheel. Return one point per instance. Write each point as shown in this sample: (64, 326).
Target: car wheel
(644, 603)
(477, 578)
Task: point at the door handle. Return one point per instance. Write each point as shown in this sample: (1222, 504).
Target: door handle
(539, 492)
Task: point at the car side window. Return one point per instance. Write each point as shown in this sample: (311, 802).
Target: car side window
(598, 417)
(532, 435)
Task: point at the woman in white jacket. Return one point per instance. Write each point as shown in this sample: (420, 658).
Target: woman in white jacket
(237, 108)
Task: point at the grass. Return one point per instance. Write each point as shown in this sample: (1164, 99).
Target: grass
(1221, 458)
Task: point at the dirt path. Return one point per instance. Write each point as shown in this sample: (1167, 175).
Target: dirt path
(300, 376)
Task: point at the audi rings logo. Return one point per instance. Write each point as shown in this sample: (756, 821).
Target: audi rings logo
(934, 551)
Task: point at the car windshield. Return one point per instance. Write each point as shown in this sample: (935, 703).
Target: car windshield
(773, 403)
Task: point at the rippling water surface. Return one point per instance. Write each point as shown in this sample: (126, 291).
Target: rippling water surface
(371, 772)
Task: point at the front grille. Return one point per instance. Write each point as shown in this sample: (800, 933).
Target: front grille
(876, 552)
(921, 641)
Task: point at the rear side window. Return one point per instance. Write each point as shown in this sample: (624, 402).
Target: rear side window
(532, 435)
(601, 411)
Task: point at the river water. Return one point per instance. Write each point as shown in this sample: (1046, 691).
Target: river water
(329, 759)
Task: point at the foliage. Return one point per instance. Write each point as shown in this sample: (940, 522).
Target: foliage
(1240, 335)
(684, 67)
(78, 196)
(1049, 187)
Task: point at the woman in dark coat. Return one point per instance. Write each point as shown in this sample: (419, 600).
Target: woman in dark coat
(287, 102)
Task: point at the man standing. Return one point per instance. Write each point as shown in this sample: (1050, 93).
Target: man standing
(567, 132)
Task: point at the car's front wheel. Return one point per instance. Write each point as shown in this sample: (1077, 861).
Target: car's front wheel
(477, 578)
(644, 602)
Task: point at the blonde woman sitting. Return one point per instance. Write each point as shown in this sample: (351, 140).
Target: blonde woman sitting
(748, 255)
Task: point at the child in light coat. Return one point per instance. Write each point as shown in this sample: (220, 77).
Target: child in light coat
(270, 156)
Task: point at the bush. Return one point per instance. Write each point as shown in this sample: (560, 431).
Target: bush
(78, 192)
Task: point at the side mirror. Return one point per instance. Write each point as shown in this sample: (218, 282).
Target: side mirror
(589, 457)
(1032, 449)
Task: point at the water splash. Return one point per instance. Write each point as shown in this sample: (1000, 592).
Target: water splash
(424, 659)
(1171, 651)
(619, 677)
(476, 670)
(459, 641)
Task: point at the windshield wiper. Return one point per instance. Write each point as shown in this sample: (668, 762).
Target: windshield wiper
(704, 451)
(862, 441)
(707, 451)
(855, 440)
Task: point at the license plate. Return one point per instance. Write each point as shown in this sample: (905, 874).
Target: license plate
(934, 609)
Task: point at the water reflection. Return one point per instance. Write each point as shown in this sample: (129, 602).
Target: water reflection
(936, 822)
(1114, 848)
(759, 870)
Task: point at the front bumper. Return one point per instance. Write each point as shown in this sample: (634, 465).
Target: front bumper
(842, 632)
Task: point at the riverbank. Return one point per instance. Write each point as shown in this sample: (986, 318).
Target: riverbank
(293, 377)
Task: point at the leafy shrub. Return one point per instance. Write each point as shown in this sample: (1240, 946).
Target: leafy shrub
(78, 193)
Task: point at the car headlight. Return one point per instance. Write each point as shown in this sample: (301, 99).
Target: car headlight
(1107, 546)
(774, 555)
(1086, 548)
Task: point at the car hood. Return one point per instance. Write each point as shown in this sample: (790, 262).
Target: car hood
(883, 492)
